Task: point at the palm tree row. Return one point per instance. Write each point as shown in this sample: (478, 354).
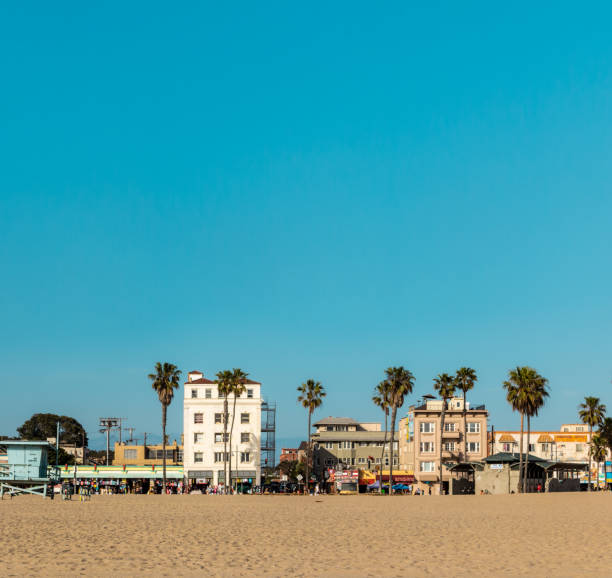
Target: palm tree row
(593, 414)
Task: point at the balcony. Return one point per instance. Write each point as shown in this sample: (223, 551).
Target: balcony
(451, 435)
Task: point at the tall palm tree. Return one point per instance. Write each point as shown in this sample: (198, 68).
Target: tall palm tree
(535, 398)
(225, 380)
(381, 399)
(599, 452)
(465, 378)
(444, 384)
(165, 381)
(238, 387)
(401, 382)
(311, 397)
(592, 413)
(516, 394)
(605, 432)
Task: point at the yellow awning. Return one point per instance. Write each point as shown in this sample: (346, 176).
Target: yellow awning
(545, 439)
(507, 439)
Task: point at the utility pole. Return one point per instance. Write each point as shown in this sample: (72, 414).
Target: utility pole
(57, 434)
(131, 430)
(106, 425)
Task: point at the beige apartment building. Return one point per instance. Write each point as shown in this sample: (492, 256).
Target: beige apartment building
(422, 444)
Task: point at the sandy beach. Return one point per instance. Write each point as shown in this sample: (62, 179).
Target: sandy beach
(548, 534)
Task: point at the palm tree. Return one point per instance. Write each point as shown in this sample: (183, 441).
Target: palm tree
(599, 452)
(591, 412)
(516, 395)
(535, 399)
(311, 397)
(238, 387)
(444, 384)
(165, 381)
(381, 399)
(605, 432)
(400, 382)
(225, 380)
(465, 378)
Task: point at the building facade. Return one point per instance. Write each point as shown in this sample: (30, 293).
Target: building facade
(126, 454)
(423, 445)
(341, 440)
(203, 458)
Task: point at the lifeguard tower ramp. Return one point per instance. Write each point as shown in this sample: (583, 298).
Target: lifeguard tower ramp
(26, 470)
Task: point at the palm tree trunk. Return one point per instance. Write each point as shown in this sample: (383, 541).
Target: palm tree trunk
(520, 480)
(525, 486)
(225, 418)
(464, 427)
(590, 441)
(393, 415)
(442, 416)
(230, 442)
(382, 455)
(164, 410)
(308, 455)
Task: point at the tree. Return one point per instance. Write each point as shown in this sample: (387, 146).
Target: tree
(592, 413)
(238, 387)
(225, 381)
(44, 425)
(605, 432)
(165, 381)
(535, 398)
(598, 451)
(444, 384)
(465, 378)
(381, 399)
(311, 397)
(516, 395)
(292, 468)
(400, 382)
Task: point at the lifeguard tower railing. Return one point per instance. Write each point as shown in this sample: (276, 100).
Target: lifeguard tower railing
(26, 469)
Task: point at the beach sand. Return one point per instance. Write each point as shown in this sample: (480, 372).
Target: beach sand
(545, 534)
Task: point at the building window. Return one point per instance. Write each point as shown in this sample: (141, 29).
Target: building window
(531, 448)
(220, 394)
(449, 426)
(427, 427)
(198, 418)
(361, 460)
(245, 457)
(198, 457)
(219, 437)
(198, 437)
(508, 447)
(578, 447)
(449, 446)
(377, 461)
(329, 461)
(245, 437)
(250, 393)
(180, 455)
(363, 444)
(208, 394)
(194, 393)
(473, 447)
(347, 445)
(395, 446)
(395, 462)
(219, 457)
(427, 466)
(130, 454)
(579, 428)
(329, 445)
(473, 427)
(427, 447)
(218, 418)
(245, 418)
(545, 448)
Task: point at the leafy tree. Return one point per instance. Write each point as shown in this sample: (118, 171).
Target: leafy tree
(44, 425)
(465, 379)
(592, 413)
(311, 397)
(401, 382)
(381, 398)
(292, 468)
(165, 381)
(444, 384)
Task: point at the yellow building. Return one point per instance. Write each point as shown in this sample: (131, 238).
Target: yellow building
(149, 455)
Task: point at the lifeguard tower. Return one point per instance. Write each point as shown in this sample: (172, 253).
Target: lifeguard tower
(27, 471)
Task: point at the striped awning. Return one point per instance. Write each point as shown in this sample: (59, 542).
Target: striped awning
(507, 439)
(545, 439)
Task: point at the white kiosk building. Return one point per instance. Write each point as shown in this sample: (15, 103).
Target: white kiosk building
(203, 430)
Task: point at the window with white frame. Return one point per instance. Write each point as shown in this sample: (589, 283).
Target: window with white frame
(449, 446)
(473, 427)
(427, 427)
(198, 418)
(427, 447)
(473, 447)
(506, 447)
(245, 457)
(198, 457)
(220, 393)
(329, 445)
(545, 448)
(194, 393)
(219, 437)
(362, 460)
(207, 393)
(377, 460)
(130, 454)
(245, 418)
(427, 466)
(245, 437)
(578, 447)
(450, 426)
(218, 418)
(198, 437)
(219, 457)
(250, 393)
(531, 447)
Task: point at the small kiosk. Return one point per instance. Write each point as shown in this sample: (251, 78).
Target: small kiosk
(27, 471)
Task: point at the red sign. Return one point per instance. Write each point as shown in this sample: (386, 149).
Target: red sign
(397, 479)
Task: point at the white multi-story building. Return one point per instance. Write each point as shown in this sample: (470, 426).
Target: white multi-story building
(203, 432)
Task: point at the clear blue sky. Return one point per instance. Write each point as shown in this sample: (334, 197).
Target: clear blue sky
(315, 191)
